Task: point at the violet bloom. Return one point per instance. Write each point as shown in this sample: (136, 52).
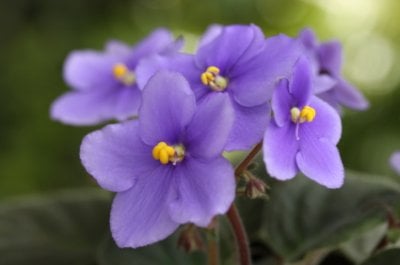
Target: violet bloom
(238, 61)
(395, 162)
(328, 82)
(166, 168)
(303, 133)
(104, 83)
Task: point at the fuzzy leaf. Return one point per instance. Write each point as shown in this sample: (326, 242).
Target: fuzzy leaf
(387, 257)
(165, 252)
(62, 228)
(303, 216)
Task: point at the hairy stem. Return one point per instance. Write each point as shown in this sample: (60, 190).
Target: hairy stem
(240, 235)
(233, 215)
(247, 160)
(213, 243)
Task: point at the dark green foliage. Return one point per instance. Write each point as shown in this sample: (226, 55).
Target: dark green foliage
(387, 257)
(58, 229)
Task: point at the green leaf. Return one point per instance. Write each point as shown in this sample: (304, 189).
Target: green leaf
(387, 257)
(302, 216)
(62, 228)
(362, 245)
(165, 252)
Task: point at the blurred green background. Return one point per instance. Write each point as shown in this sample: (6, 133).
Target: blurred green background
(37, 154)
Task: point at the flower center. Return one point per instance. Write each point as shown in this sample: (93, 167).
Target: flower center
(166, 153)
(123, 74)
(306, 114)
(212, 79)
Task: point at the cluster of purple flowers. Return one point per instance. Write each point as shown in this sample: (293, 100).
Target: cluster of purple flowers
(239, 88)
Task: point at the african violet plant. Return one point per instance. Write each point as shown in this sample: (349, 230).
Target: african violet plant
(178, 113)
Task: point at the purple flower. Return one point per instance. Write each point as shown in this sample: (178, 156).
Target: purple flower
(238, 61)
(166, 168)
(104, 83)
(303, 133)
(395, 161)
(328, 82)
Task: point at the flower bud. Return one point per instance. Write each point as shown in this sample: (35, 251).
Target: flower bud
(190, 239)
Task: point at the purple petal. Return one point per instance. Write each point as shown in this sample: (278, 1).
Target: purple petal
(200, 90)
(92, 107)
(349, 96)
(253, 82)
(84, 70)
(205, 188)
(211, 33)
(279, 151)
(139, 216)
(330, 98)
(177, 62)
(233, 42)
(168, 106)
(173, 47)
(208, 132)
(320, 161)
(282, 102)
(118, 49)
(127, 104)
(249, 126)
(308, 38)
(322, 83)
(156, 42)
(116, 157)
(395, 162)
(310, 44)
(330, 57)
(257, 45)
(326, 124)
(300, 85)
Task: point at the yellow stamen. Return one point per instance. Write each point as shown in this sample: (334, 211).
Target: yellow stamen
(213, 69)
(295, 114)
(212, 79)
(306, 114)
(164, 158)
(166, 153)
(157, 149)
(123, 74)
(119, 70)
(204, 78)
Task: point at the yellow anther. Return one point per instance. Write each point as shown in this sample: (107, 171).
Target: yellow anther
(164, 158)
(307, 114)
(212, 79)
(123, 74)
(157, 149)
(166, 153)
(213, 69)
(209, 76)
(204, 78)
(119, 70)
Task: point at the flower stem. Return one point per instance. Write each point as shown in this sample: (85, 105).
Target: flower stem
(233, 215)
(240, 235)
(213, 243)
